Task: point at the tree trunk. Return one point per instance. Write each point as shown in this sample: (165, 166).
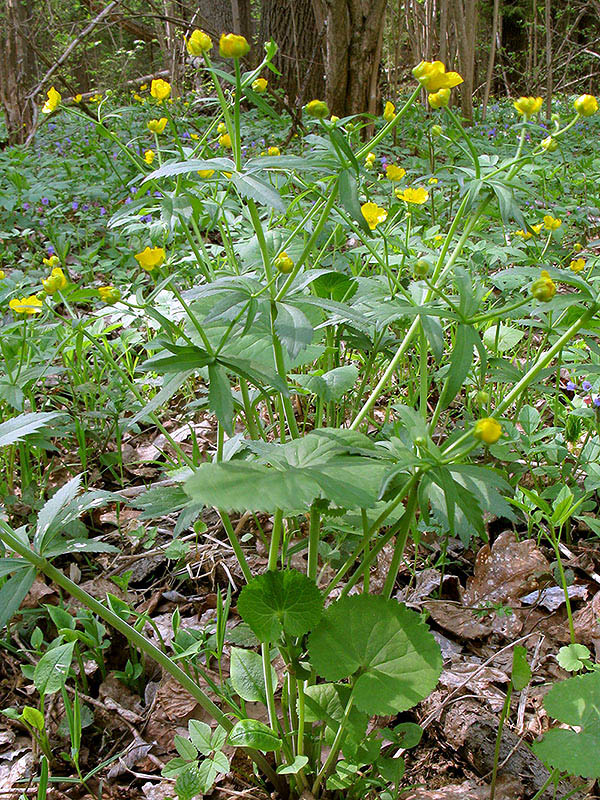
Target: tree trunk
(465, 19)
(352, 52)
(17, 67)
(293, 26)
(548, 21)
(490, 70)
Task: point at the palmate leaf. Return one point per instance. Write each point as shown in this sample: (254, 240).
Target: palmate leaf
(397, 660)
(17, 428)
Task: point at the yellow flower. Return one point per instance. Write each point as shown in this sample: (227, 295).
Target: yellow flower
(411, 195)
(143, 87)
(549, 144)
(53, 101)
(198, 43)
(488, 430)
(523, 234)
(78, 98)
(436, 130)
(369, 160)
(537, 229)
(551, 223)
(149, 156)
(439, 99)
(160, 89)
(274, 151)
(284, 263)
(194, 136)
(528, 105)
(233, 46)
(578, 247)
(55, 281)
(586, 105)
(544, 288)
(577, 265)
(109, 294)
(95, 98)
(206, 173)
(51, 262)
(26, 305)
(157, 125)
(221, 128)
(138, 98)
(394, 173)
(432, 76)
(317, 109)
(373, 214)
(334, 119)
(389, 112)
(260, 85)
(150, 258)
(432, 181)
(2, 274)
(225, 140)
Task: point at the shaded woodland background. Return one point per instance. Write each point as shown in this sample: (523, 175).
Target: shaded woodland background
(353, 53)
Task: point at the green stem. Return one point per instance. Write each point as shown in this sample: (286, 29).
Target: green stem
(275, 539)
(335, 747)
(233, 541)
(314, 534)
(401, 539)
(467, 138)
(503, 716)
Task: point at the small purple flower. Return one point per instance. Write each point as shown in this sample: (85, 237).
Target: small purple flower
(157, 194)
(127, 201)
(45, 201)
(50, 249)
(74, 205)
(85, 207)
(571, 386)
(597, 402)
(146, 218)
(132, 190)
(102, 211)
(26, 206)
(586, 386)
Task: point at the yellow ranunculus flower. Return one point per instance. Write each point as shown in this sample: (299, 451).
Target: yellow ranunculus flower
(394, 173)
(157, 125)
(143, 87)
(26, 305)
(198, 43)
(53, 261)
(578, 247)
(432, 76)
(334, 119)
(317, 109)
(544, 288)
(149, 156)
(389, 112)
(233, 46)
(523, 234)
(439, 99)
(260, 85)
(577, 265)
(373, 214)
(369, 160)
(53, 101)
(418, 196)
(109, 294)
(225, 141)
(586, 105)
(274, 151)
(78, 98)
(138, 98)
(206, 173)
(528, 105)
(2, 274)
(551, 223)
(284, 263)
(55, 281)
(150, 258)
(160, 89)
(537, 229)
(488, 430)
(221, 128)
(432, 181)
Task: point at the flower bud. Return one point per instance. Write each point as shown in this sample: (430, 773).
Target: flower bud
(439, 99)
(109, 295)
(488, 430)
(544, 288)
(260, 85)
(233, 46)
(284, 263)
(317, 109)
(198, 43)
(421, 268)
(436, 130)
(549, 144)
(586, 105)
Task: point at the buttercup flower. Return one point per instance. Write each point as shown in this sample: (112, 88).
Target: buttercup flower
(523, 234)
(274, 151)
(544, 288)
(578, 247)
(586, 105)
(432, 76)
(157, 125)
(369, 160)
(109, 294)
(198, 43)
(55, 282)
(53, 101)
(78, 98)
(528, 105)
(577, 265)
(233, 46)
(373, 214)
(52, 261)
(150, 258)
(221, 128)
(260, 85)
(389, 112)
(2, 274)
(432, 181)
(138, 98)
(317, 109)
(439, 99)
(225, 141)
(551, 223)
(410, 195)
(149, 156)
(394, 173)
(284, 263)
(488, 430)
(537, 228)
(26, 305)
(160, 89)
(206, 173)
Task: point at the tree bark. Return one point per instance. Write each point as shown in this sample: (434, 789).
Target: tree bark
(352, 52)
(490, 69)
(549, 76)
(465, 19)
(17, 70)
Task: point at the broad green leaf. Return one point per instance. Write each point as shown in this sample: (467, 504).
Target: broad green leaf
(17, 428)
(210, 768)
(200, 736)
(254, 734)
(13, 592)
(252, 187)
(293, 328)
(185, 358)
(521, 671)
(34, 717)
(53, 668)
(220, 400)
(460, 364)
(192, 165)
(291, 769)
(9, 565)
(407, 734)
(185, 748)
(508, 338)
(575, 702)
(247, 677)
(395, 657)
(326, 702)
(349, 199)
(189, 783)
(332, 385)
(280, 601)
(391, 769)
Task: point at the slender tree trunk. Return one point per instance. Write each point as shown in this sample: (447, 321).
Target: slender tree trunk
(465, 20)
(548, 22)
(490, 69)
(443, 30)
(17, 67)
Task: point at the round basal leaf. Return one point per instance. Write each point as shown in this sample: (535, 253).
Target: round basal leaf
(408, 734)
(279, 601)
(397, 659)
(571, 657)
(576, 702)
(255, 734)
